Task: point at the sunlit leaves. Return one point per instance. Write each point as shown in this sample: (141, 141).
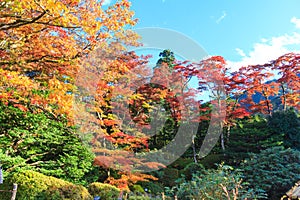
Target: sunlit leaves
(45, 40)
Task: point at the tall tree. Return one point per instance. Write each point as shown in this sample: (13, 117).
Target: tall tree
(44, 47)
(33, 141)
(45, 40)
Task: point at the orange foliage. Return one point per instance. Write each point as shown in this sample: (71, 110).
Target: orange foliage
(129, 179)
(46, 41)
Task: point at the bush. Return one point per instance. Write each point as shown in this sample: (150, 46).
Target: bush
(213, 184)
(137, 189)
(52, 145)
(36, 186)
(191, 169)
(250, 136)
(210, 160)
(139, 198)
(181, 163)
(105, 191)
(152, 187)
(74, 192)
(169, 177)
(288, 124)
(273, 170)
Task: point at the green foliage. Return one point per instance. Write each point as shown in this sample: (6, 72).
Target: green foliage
(211, 160)
(286, 123)
(164, 135)
(252, 136)
(105, 191)
(146, 197)
(36, 142)
(36, 186)
(201, 134)
(191, 169)
(170, 176)
(213, 184)
(96, 174)
(152, 187)
(167, 56)
(74, 192)
(136, 189)
(139, 198)
(273, 170)
(181, 163)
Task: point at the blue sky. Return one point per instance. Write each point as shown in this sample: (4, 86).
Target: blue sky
(243, 32)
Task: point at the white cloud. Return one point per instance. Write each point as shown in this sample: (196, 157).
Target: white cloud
(106, 2)
(264, 40)
(221, 18)
(240, 52)
(267, 50)
(296, 21)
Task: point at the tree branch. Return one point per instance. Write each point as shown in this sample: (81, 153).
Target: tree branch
(21, 22)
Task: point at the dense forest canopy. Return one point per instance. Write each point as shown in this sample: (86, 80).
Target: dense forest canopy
(76, 104)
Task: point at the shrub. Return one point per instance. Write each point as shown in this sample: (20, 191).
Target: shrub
(181, 163)
(105, 191)
(210, 160)
(144, 197)
(36, 186)
(43, 144)
(139, 198)
(288, 124)
(273, 170)
(222, 183)
(152, 187)
(136, 189)
(169, 177)
(250, 136)
(191, 169)
(74, 192)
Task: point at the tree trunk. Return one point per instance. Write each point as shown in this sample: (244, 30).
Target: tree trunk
(194, 150)
(222, 141)
(284, 97)
(228, 133)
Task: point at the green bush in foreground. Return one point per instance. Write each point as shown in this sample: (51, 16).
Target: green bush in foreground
(139, 198)
(191, 169)
(152, 187)
(36, 186)
(33, 141)
(222, 183)
(274, 170)
(137, 189)
(105, 191)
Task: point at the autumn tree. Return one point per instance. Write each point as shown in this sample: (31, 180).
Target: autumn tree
(45, 40)
(255, 83)
(105, 116)
(225, 90)
(43, 48)
(265, 82)
(288, 68)
(128, 115)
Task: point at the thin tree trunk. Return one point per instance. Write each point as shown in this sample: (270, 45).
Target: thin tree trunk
(194, 150)
(268, 103)
(14, 191)
(228, 133)
(222, 141)
(284, 97)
